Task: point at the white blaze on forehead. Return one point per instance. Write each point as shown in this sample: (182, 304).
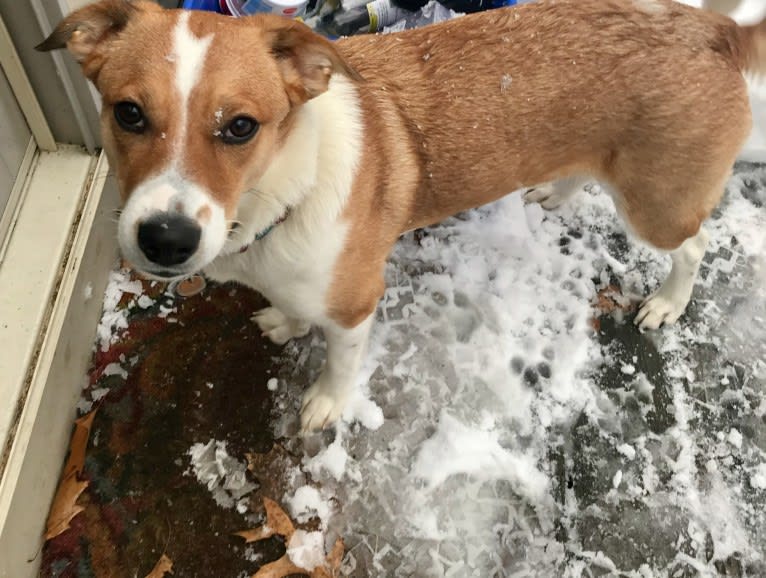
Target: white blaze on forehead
(171, 190)
(189, 52)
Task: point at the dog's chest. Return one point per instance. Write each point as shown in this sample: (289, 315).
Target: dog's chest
(293, 267)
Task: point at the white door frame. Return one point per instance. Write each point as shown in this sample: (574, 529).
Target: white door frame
(54, 265)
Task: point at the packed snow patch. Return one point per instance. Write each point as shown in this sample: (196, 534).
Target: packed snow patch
(332, 460)
(306, 549)
(222, 474)
(458, 449)
(758, 477)
(114, 320)
(307, 503)
(115, 369)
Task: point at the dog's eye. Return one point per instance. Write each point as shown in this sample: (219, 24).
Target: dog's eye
(240, 130)
(130, 116)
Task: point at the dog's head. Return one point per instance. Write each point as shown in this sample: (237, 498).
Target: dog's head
(195, 107)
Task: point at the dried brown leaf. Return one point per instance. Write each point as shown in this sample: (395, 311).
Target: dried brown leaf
(279, 523)
(79, 443)
(335, 557)
(164, 566)
(256, 534)
(191, 286)
(610, 299)
(64, 506)
(279, 569)
(332, 562)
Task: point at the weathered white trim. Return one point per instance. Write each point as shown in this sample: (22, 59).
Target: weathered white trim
(25, 94)
(11, 212)
(66, 312)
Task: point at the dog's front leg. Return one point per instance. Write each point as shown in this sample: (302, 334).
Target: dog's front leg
(323, 402)
(279, 327)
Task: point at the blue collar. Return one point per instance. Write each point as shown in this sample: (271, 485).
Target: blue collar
(265, 233)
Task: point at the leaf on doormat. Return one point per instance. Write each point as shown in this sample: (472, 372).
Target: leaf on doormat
(79, 443)
(164, 566)
(64, 506)
(279, 523)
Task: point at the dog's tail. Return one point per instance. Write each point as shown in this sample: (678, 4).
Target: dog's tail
(750, 49)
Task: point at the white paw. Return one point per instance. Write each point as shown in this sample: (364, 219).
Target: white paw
(279, 327)
(658, 310)
(548, 195)
(322, 406)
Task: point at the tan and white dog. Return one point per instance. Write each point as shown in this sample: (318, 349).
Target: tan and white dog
(257, 151)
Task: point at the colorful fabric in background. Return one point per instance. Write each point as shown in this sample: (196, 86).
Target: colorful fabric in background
(337, 18)
(209, 5)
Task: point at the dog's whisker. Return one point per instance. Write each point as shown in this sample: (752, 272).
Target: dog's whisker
(259, 194)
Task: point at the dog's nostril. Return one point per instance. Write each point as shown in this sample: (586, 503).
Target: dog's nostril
(169, 239)
(151, 252)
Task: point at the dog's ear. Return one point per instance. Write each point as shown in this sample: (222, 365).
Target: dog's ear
(306, 59)
(85, 30)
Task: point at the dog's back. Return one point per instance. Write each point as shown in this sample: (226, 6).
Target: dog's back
(510, 98)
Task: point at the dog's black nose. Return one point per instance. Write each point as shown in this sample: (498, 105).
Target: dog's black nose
(169, 239)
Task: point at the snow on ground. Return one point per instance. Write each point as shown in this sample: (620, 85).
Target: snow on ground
(114, 320)
(498, 433)
(122, 295)
(518, 441)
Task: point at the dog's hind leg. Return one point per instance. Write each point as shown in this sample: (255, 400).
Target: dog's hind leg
(669, 302)
(669, 217)
(279, 327)
(555, 193)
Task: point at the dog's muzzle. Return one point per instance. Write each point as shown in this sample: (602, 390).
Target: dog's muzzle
(169, 239)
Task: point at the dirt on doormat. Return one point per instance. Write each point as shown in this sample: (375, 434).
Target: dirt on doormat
(185, 375)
